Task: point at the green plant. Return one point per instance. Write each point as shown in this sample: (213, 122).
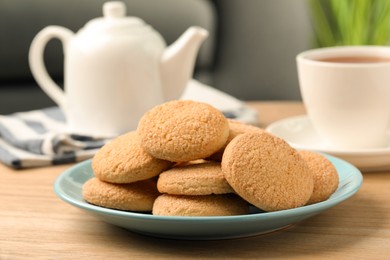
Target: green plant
(350, 22)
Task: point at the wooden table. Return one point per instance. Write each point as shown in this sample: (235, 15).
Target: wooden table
(34, 223)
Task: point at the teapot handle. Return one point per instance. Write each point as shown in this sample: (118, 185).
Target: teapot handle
(37, 65)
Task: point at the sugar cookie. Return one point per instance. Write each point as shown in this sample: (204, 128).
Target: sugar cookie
(267, 172)
(326, 178)
(207, 205)
(194, 179)
(183, 130)
(123, 161)
(137, 196)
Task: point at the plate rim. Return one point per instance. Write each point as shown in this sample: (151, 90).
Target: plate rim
(314, 208)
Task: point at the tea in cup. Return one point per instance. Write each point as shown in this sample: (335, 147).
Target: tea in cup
(346, 92)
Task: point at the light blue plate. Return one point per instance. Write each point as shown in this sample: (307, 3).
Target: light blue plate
(68, 187)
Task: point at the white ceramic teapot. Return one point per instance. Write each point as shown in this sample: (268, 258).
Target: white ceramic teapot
(116, 68)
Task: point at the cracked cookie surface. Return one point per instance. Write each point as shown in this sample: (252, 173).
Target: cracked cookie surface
(183, 130)
(194, 179)
(207, 205)
(326, 178)
(124, 161)
(138, 196)
(267, 172)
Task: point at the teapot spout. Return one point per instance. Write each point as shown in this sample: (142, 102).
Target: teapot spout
(178, 60)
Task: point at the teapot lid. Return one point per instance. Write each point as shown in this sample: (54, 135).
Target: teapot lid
(114, 19)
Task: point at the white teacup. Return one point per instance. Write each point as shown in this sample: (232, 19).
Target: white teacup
(346, 91)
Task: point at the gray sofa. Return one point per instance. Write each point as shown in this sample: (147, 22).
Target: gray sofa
(250, 53)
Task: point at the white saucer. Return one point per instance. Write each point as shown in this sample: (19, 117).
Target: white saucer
(299, 133)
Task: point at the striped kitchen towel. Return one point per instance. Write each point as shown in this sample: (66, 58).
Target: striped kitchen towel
(37, 138)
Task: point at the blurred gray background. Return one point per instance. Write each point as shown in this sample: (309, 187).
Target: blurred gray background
(250, 53)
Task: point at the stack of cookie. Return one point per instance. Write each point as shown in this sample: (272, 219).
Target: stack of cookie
(197, 189)
(206, 165)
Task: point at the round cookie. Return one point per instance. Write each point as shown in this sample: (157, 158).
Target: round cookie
(326, 178)
(235, 128)
(124, 161)
(183, 130)
(267, 172)
(138, 196)
(207, 205)
(194, 179)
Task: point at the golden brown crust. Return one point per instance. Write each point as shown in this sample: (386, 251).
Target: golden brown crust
(194, 179)
(183, 130)
(326, 178)
(124, 161)
(138, 196)
(207, 205)
(267, 172)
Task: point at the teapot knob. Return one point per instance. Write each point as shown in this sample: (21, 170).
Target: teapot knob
(114, 9)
